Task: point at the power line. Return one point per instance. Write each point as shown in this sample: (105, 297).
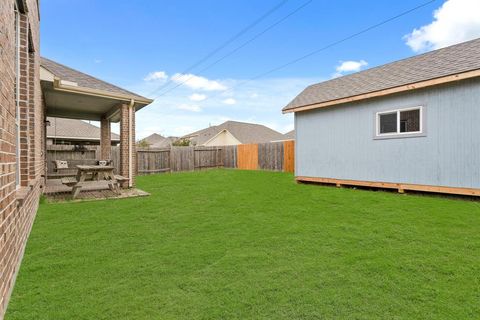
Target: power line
(230, 40)
(356, 34)
(238, 48)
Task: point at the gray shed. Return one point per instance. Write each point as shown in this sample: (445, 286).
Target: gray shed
(413, 124)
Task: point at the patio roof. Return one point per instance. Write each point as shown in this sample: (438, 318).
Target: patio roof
(73, 94)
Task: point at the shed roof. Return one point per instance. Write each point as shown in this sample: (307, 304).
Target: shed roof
(452, 60)
(74, 129)
(242, 131)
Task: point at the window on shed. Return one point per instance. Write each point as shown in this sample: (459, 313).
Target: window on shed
(388, 123)
(397, 122)
(410, 121)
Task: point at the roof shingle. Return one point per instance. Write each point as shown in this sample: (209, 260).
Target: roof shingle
(443, 62)
(242, 131)
(82, 79)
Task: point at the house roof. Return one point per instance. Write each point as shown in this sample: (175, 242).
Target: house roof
(290, 135)
(167, 142)
(61, 128)
(154, 138)
(158, 141)
(84, 80)
(242, 131)
(453, 60)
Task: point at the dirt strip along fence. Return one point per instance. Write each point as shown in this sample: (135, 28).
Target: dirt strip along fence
(276, 156)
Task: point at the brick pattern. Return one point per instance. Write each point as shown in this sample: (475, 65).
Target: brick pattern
(18, 207)
(23, 100)
(105, 139)
(124, 143)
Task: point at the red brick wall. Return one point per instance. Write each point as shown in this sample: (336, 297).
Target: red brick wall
(124, 142)
(18, 206)
(105, 139)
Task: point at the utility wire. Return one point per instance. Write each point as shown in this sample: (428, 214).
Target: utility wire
(356, 34)
(239, 47)
(230, 40)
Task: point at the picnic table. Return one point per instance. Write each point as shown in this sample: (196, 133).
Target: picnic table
(91, 174)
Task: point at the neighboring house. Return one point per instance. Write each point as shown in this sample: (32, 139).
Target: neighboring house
(75, 132)
(32, 89)
(289, 135)
(233, 133)
(158, 141)
(413, 124)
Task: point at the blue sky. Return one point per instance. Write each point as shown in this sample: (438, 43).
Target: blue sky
(143, 45)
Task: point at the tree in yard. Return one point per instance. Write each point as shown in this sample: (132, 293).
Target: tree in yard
(143, 144)
(183, 142)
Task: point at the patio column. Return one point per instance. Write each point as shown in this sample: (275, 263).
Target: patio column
(105, 139)
(127, 143)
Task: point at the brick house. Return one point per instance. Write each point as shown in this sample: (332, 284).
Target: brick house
(32, 88)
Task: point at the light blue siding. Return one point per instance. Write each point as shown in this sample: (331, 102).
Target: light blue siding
(338, 142)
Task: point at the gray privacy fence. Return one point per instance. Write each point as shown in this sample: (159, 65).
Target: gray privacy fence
(185, 159)
(276, 156)
(75, 155)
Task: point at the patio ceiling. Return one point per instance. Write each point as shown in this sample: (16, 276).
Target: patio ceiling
(69, 93)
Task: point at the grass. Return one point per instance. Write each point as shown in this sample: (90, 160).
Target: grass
(252, 245)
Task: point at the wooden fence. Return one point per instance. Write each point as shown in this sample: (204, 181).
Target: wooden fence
(277, 156)
(75, 155)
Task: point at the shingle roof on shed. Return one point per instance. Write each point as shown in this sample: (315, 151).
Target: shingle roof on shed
(83, 80)
(439, 63)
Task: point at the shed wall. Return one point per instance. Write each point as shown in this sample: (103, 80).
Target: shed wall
(339, 142)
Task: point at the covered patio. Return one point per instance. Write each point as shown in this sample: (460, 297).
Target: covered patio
(72, 94)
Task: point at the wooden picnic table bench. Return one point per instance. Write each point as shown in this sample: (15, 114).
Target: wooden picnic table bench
(88, 174)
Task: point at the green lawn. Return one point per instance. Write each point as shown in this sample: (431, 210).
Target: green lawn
(229, 244)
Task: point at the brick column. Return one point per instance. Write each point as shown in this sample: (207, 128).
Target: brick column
(128, 161)
(105, 140)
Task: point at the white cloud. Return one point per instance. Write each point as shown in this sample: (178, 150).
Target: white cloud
(455, 21)
(97, 61)
(229, 101)
(349, 66)
(164, 115)
(189, 107)
(197, 97)
(157, 75)
(197, 82)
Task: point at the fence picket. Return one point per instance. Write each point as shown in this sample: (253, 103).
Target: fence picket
(278, 156)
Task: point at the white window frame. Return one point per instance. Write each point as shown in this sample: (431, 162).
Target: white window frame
(17, 96)
(398, 133)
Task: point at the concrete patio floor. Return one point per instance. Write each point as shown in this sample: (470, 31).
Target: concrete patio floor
(55, 191)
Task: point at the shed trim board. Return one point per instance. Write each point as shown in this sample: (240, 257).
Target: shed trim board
(408, 87)
(401, 187)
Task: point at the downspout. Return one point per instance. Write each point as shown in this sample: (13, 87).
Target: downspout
(130, 146)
